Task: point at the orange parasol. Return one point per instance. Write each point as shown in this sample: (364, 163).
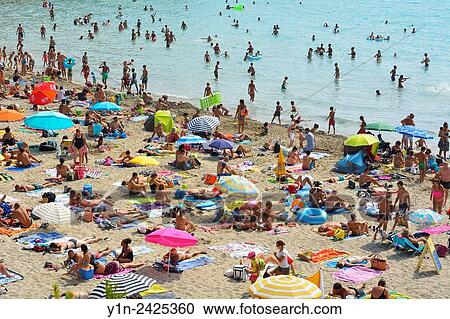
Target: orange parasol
(10, 116)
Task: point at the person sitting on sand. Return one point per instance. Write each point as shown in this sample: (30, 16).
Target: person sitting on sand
(60, 247)
(398, 160)
(135, 186)
(161, 195)
(32, 187)
(21, 217)
(307, 161)
(83, 263)
(7, 156)
(65, 109)
(8, 137)
(4, 271)
(76, 199)
(23, 159)
(333, 202)
(347, 292)
(317, 195)
(249, 223)
(182, 222)
(124, 158)
(380, 291)
(365, 181)
(256, 266)
(154, 182)
(174, 257)
(356, 228)
(223, 169)
(158, 131)
(352, 261)
(267, 223)
(293, 157)
(62, 170)
(173, 136)
(182, 160)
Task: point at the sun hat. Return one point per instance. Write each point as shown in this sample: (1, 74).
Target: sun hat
(251, 255)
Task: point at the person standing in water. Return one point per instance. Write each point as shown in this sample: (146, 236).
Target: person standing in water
(393, 73)
(285, 83)
(352, 53)
(277, 113)
(331, 120)
(207, 57)
(378, 56)
(426, 60)
(144, 78)
(337, 72)
(105, 73)
(216, 70)
(252, 90)
(208, 90)
(401, 80)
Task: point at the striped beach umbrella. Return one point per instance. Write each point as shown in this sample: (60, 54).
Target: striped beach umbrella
(413, 131)
(284, 287)
(238, 185)
(425, 217)
(53, 213)
(190, 139)
(203, 124)
(124, 285)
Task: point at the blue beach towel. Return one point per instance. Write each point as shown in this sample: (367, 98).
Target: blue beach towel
(194, 263)
(40, 238)
(5, 280)
(21, 169)
(333, 263)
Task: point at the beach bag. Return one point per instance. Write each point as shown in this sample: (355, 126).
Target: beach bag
(49, 146)
(80, 172)
(51, 197)
(441, 250)
(276, 148)
(180, 194)
(240, 272)
(210, 179)
(351, 185)
(339, 234)
(379, 263)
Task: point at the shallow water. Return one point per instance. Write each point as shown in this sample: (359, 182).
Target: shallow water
(180, 70)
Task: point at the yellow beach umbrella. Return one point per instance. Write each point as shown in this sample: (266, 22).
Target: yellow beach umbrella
(144, 161)
(361, 140)
(284, 287)
(280, 169)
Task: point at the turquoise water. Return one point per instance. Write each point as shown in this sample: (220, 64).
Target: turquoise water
(180, 70)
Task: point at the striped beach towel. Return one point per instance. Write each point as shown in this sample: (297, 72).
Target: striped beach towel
(95, 174)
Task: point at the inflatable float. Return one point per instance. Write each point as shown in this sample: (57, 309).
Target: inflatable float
(209, 101)
(312, 216)
(254, 57)
(69, 63)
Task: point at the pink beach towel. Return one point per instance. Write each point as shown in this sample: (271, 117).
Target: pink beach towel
(436, 230)
(125, 271)
(357, 274)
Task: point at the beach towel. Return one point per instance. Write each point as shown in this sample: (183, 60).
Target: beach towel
(194, 263)
(93, 173)
(40, 238)
(21, 169)
(9, 199)
(327, 254)
(129, 225)
(139, 118)
(144, 200)
(5, 280)
(333, 263)
(5, 177)
(239, 249)
(38, 192)
(436, 230)
(15, 231)
(277, 231)
(154, 289)
(124, 271)
(163, 295)
(350, 238)
(357, 274)
(50, 172)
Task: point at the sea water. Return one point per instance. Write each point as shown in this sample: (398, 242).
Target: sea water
(180, 70)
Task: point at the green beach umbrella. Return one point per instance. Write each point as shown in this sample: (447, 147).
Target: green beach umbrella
(380, 126)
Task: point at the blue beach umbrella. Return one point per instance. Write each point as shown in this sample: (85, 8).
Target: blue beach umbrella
(190, 139)
(413, 131)
(425, 217)
(221, 144)
(105, 106)
(48, 120)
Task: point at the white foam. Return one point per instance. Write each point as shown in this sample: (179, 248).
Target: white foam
(439, 88)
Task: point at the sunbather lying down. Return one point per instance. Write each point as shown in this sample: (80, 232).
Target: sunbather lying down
(113, 267)
(33, 187)
(3, 270)
(204, 193)
(175, 256)
(61, 247)
(352, 261)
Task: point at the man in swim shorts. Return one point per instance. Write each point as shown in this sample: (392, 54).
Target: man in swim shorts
(105, 73)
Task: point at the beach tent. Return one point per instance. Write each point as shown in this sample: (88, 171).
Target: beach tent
(149, 124)
(123, 285)
(165, 118)
(284, 287)
(53, 213)
(351, 164)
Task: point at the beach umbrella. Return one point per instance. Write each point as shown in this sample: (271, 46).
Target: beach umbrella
(361, 140)
(413, 131)
(284, 287)
(238, 185)
(49, 120)
(203, 124)
(380, 126)
(190, 139)
(124, 285)
(144, 161)
(105, 106)
(221, 144)
(10, 116)
(53, 213)
(425, 217)
(171, 237)
(43, 93)
(280, 169)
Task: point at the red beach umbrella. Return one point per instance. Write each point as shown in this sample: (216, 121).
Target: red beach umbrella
(43, 94)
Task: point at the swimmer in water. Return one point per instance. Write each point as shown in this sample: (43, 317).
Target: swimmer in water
(310, 52)
(216, 70)
(426, 60)
(252, 90)
(207, 57)
(313, 38)
(293, 108)
(401, 80)
(352, 53)
(337, 72)
(378, 56)
(377, 93)
(285, 83)
(251, 70)
(393, 73)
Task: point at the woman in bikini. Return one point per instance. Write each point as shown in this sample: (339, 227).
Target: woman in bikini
(33, 187)
(174, 256)
(380, 291)
(75, 199)
(61, 247)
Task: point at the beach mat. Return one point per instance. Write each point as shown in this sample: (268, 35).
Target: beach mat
(38, 192)
(239, 249)
(436, 230)
(333, 263)
(327, 254)
(40, 238)
(357, 274)
(15, 231)
(5, 280)
(21, 169)
(194, 263)
(124, 271)
(164, 295)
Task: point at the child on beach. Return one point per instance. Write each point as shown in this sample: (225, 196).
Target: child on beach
(422, 159)
(256, 266)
